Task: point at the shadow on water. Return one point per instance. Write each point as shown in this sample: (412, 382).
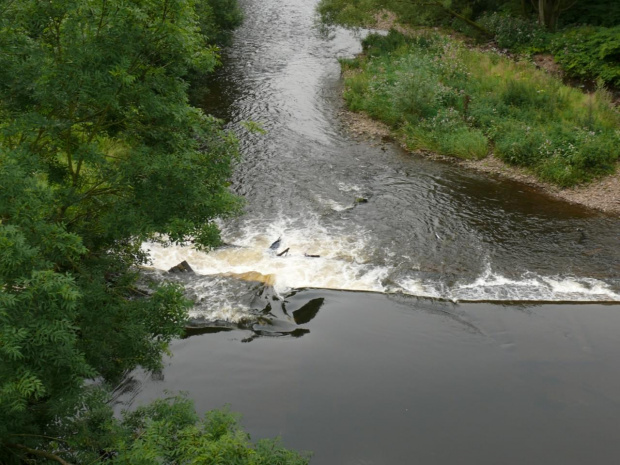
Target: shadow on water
(201, 330)
(216, 92)
(274, 316)
(308, 311)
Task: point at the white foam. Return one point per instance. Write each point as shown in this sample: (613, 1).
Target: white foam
(342, 262)
(532, 286)
(335, 206)
(229, 314)
(416, 287)
(581, 286)
(343, 187)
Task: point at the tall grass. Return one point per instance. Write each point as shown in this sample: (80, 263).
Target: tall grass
(441, 96)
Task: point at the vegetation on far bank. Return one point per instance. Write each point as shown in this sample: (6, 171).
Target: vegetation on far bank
(444, 97)
(100, 150)
(440, 95)
(583, 36)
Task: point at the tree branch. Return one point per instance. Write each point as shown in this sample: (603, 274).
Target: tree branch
(103, 12)
(40, 453)
(39, 436)
(7, 7)
(569, 6)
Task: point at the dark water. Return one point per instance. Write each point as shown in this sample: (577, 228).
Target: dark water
(385, 377)
(380, 379)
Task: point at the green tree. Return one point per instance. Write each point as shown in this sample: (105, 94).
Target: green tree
(217, 18)
(168, 431)
(99, 151)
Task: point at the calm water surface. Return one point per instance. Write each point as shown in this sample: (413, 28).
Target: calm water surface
(405, 374)
(378, 379)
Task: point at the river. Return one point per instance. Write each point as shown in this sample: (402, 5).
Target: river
(448, 317)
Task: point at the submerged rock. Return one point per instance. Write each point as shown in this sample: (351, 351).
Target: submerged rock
(254, 276)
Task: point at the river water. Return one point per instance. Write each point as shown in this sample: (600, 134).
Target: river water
(452, 355)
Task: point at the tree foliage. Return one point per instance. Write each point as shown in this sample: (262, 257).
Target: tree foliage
(99, 151)
(217, 18)
(549, 11)
(168, 431)
(583, 36)
(550, 14)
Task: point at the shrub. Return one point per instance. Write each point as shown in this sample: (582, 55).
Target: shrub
(593, 12)
(589, 52)
(375, 44)
(515, 33)
(559, 153)
(166, 431)
(519, 144)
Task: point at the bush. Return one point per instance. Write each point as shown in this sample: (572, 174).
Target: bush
(562, 155)
(375, 44)
(166, 431)
(593, 12)
(590, 53)
(519, 144)
(515, 33)
(446, 134)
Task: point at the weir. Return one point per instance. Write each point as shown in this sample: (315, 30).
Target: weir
(427, 228)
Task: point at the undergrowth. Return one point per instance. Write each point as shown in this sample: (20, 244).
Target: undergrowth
(589, 53)
(443, 97)
(583, 52)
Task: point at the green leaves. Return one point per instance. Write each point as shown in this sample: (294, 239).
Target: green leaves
(168, 431)
(589, 52)
(444, 97)
(99, 150)
(86, 74)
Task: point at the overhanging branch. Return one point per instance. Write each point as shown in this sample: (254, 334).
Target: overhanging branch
(39, 453)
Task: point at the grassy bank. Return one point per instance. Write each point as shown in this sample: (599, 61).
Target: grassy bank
(583, 52)
(583, 37)
(441, 96)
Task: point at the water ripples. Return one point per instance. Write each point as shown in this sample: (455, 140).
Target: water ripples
(381, 219)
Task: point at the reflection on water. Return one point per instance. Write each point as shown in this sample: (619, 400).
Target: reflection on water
(308, 311)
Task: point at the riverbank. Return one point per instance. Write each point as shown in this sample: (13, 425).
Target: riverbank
(572, 167)
(602, 194)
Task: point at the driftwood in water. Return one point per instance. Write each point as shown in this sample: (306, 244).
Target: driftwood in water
(311, 256)
(284, 252)
(182, 267)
